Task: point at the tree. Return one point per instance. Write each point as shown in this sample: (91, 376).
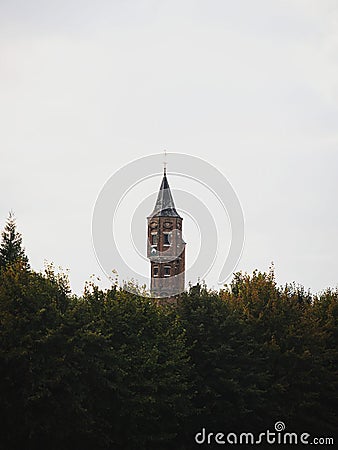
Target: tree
(296, 335)
(11, 249)
(227, 366)
(138, 394)
(30, 359)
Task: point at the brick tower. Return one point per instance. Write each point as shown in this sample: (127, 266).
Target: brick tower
(166, 248)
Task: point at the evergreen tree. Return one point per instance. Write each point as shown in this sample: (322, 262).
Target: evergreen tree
(11, 249)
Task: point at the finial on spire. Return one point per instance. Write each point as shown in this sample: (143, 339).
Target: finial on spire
(165, 162)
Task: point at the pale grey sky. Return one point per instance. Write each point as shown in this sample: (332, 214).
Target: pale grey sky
(249, 86)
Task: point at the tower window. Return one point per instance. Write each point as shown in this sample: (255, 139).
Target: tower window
(154, 239)
(155, 271)
(167, 271)
(166, 239)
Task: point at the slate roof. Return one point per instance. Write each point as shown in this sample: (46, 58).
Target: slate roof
(165, 206)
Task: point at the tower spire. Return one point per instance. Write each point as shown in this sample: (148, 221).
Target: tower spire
(165, 163)
(165, 206)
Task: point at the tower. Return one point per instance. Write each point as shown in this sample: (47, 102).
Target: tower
(166, 248)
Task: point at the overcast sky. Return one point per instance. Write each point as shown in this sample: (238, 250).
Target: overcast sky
(249, 86)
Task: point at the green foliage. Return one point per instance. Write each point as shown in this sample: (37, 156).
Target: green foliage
(11, 244)
(284, 324)
(107, 370)
(228, 363)
(114, 370)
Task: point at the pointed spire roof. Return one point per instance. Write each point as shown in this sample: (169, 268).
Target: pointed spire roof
(165, 206)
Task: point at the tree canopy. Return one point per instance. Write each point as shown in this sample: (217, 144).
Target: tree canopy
(115, 370)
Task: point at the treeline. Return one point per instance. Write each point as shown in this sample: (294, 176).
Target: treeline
(113, 370)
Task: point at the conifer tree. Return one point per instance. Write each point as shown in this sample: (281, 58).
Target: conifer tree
(11, 249)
